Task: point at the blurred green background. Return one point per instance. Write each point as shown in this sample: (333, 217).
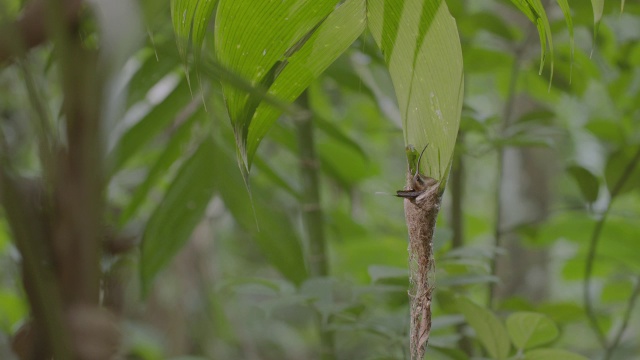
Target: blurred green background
(537, 168)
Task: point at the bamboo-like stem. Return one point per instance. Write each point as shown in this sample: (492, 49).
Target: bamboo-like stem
(312, 210)
(591, 255)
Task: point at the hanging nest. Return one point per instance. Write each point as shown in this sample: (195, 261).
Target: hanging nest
(421, 205)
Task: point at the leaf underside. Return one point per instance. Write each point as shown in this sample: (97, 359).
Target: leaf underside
(282, 47)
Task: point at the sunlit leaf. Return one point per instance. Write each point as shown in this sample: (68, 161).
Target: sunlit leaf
(420, 44)
(281, 46)
(172, 222)
(529, 329)
(489, 329)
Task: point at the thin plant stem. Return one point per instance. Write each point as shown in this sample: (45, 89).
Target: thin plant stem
(625, 322)
(457, 225)
(312, 210)
(591, 255)
(506, 120)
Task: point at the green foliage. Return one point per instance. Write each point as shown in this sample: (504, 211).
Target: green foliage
(528, 329)
(171, 158)
(489, 329)
(524, 329)
(174, 219)
(282, 48)
(420, 44)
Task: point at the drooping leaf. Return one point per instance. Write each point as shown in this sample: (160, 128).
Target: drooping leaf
(158, 118)
(274, 232)
(529, 329)
(171, 153)
(598, 9)
(151, 71)
(420, 44)
(588, 183)
(182, 207)
(282, 47)
(190, 19)
(489, 329)
(552, 354)
(534, 10)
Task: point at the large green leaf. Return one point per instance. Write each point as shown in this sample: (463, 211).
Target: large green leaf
(529, 329)
(489, 329)
(421, 47)
(280, 46)
(173, 221)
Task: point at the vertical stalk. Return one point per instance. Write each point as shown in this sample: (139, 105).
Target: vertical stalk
(311, 209)
(457, 224)
(497, 227)
(457, 193)
(506, 121)
(591, 256)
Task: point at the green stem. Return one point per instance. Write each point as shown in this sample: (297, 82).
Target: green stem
(457, 225)
(591, 255)
(312, 210)
(506, 121)
(626, 317)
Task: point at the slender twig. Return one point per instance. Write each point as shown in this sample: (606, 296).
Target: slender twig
(595, 235)
(591, 255)
(311, 209)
